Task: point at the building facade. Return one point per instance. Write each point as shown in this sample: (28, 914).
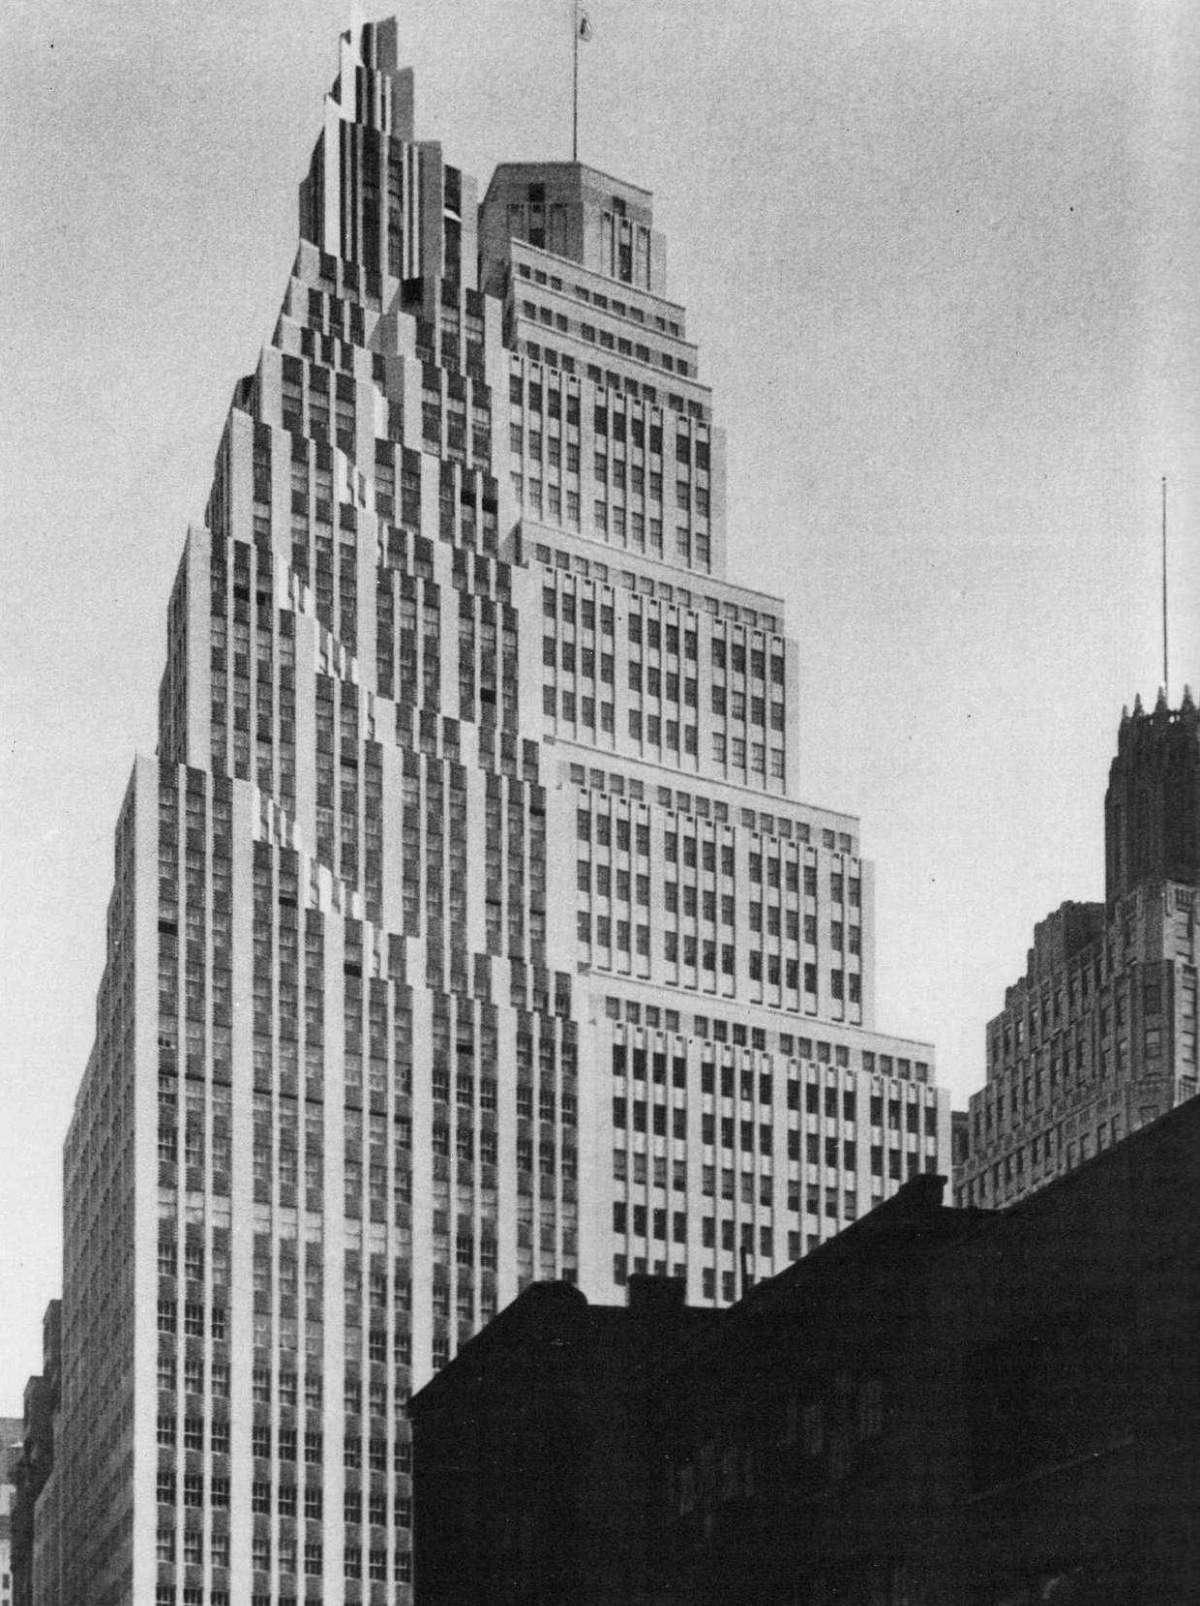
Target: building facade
(35, 1544)
(1099, 1036)
(10, 1454)
(939, 1407)
(467, 927)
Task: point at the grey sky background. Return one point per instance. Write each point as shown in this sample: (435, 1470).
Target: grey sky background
(941, 261)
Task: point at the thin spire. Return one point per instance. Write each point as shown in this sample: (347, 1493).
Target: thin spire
(1166, 675)
(575, 80)
(581, 28)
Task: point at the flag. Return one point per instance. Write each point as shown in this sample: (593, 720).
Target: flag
(585, 26)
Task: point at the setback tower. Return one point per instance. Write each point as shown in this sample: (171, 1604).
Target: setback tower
(467, 926)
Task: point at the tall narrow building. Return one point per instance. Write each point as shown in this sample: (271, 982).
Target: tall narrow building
(467, 927)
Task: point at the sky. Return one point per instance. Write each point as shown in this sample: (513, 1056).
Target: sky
(940, 261)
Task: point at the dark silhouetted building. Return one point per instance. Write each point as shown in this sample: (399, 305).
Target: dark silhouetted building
(1069, 1372)
(545, 1427)
(939, 1407)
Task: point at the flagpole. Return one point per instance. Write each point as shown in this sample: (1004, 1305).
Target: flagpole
(575, 81)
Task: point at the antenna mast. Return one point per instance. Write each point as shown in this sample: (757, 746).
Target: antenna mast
(575, 26)
(581, 28)
(1166, 681)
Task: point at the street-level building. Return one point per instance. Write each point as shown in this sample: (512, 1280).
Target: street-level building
(534, 1452)
(468, 926)
(939, 1407)
(36, 1541)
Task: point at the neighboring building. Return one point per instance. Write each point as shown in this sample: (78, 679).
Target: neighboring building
(1152, 806)
(49, 1570)
(10, 1456)
(535, 1450)
(960, 1137)
(35, 1529)
(941, 1406)
(1099, 1036)
(466, 926)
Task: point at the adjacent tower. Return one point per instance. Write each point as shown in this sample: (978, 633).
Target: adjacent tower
(1099, 1036)
(467, 927)
(1152, 806)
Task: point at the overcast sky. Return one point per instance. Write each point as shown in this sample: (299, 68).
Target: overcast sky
(941, 262)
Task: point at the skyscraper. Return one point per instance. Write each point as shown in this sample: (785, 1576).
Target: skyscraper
(11, 1434)
(466, 927)
(36, 1497)
(1098, 1037)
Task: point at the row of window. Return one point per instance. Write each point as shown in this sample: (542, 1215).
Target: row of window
(546, 317)
(195, 1324)
(642, 1066)
(655, 688)
(593, 571)
(372, 1455)
(311, 1556)
(614, 383)
(702, 852)
(1051, 1152)
(645, 631)
(739, 1035)
(601, 300)
(704, 808)
(837, 1153)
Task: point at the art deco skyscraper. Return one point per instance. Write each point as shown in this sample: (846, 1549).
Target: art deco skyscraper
(466, 926)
